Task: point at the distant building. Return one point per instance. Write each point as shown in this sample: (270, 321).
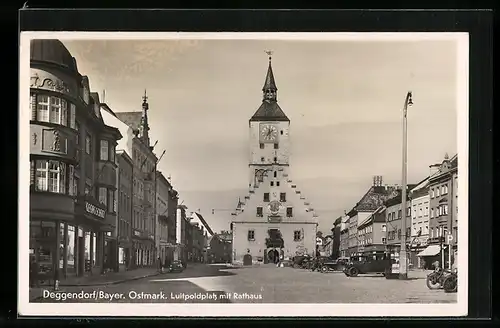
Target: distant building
(335, 243)
(219, 248)
(372, 232)
(125, 210)
(419, 221)
(443, 185)
(144, 159)
(371, 201)
(344, 236)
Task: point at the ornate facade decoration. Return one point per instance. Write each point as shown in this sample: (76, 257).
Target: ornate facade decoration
(48, 83)
(56, 144)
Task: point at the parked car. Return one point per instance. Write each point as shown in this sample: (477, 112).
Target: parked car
(337, 265)
(297, 260)
(376, 262)
(176, 266)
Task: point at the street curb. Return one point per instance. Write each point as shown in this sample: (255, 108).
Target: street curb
(116, 282)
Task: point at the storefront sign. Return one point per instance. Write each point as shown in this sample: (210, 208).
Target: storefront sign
(94, 210)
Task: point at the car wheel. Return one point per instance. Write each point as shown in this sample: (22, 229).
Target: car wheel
(353, 272)
(324, 269)
(432, 282)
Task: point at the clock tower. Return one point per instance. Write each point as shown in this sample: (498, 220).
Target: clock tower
(269, 133)
(274, 220)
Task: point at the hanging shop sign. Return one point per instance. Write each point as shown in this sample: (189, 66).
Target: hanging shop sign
(94, 210)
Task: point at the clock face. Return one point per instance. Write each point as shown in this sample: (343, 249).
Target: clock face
(268, 133)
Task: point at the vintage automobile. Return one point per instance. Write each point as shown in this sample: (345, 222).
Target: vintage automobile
(176, 266)
(375, 262)
(337, 265)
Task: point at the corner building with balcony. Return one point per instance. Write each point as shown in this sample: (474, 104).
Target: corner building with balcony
(274, 220)
(73, 170)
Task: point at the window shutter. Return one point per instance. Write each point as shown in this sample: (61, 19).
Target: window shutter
(33, 106)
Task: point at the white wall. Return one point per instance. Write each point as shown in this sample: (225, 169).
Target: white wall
(127, 134)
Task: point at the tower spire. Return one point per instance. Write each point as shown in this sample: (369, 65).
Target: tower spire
(144, 120)
(269, 89)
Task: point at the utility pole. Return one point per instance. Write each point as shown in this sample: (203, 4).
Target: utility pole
(403, 256)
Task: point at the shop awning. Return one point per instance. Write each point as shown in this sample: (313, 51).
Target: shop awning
(431, 250)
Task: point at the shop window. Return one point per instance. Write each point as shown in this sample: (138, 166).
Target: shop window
(94, 248)
(88, 251)
(104, 154)
(297, 235)
(52, 109)
(50, 176)
(70, 250)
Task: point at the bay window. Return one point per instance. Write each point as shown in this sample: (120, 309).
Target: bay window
(87, 143)
(72, 116)
(104, 150)
(71, 180)
(53, 110)
(111, 204)
(50, 176)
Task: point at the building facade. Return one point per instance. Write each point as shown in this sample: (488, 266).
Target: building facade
(419, 221)
(144, 182)
(274, 220)
(371, 201)
(335, 242)
(443, 212)
(372, 232)
(125, 209)
(344, 236)
(166, 208)
(394, 216)
(72, 180)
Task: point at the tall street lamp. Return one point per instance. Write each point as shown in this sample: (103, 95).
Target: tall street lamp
(403, 258)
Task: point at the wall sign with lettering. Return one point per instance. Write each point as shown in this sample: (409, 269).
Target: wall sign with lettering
(94, 210)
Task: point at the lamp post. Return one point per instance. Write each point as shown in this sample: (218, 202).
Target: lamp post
(403, 258)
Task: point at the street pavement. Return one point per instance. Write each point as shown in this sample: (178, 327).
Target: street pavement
(258, 284)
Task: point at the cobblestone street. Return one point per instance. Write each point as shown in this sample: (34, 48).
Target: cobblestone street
(264, 284)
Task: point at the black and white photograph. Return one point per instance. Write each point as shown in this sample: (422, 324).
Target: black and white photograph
(243, 174)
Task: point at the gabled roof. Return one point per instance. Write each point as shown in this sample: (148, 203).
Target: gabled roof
(373, 216)
(204, 222)
(269, 111)
(132, 119)
(374, 197)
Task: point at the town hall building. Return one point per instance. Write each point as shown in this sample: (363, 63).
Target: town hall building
(274, 220)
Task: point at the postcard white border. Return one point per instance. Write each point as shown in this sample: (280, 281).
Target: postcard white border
(246, 310)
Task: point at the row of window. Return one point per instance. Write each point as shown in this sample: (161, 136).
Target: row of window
(297, 235)
(421, 211)
(142, 161)
(282, 197)
(439, 191)
(53, 109)
(260, 212)
(263, 145)
(365, 230)
(124, 228)
(263, 159)
(440, 231)
(391, 235)
(367, 241)
(143, 222)
(439, 211)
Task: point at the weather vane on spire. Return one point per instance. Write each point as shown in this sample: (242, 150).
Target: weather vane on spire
(145, 97)
(269, 53)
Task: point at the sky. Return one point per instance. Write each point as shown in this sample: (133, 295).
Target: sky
(344, 100)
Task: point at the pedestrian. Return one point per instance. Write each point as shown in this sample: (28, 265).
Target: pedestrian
(160, 266)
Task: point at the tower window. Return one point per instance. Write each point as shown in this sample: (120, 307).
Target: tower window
(281, 132)
(277, 183)
(276, 159)
(261, 145)
(262, 159)
(283, 197)
(266, 197)
(276, 146)
(251, 235)
(259, 212)
(272, 183)
(289, 212)
(297, 236)
(275, 174)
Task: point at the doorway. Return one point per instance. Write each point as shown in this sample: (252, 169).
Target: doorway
(247, 259)
(273, 256)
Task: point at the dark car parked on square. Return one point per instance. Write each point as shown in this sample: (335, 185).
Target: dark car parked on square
(176, 266)
(376, 262)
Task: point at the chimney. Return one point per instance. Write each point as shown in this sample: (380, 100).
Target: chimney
(433, 169)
